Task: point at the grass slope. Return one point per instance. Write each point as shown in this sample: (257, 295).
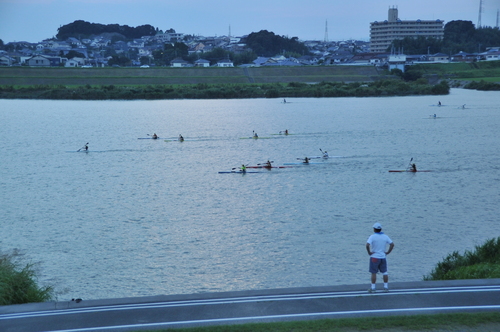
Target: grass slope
(19, 76)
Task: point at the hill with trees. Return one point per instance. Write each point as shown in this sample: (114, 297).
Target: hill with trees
(81, 28)
(265, 43)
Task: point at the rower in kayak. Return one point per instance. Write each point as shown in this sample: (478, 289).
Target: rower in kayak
(413, 168)
(306, 160)
(243, 169)
(255, 135)
(267, 164)
(325, 154)
(154, 136)
(181, 139)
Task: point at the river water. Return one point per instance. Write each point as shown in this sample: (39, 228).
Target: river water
(140, 217)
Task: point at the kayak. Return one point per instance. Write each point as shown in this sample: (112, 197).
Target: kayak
(264, 166)
(302, 163)
(321, 157)
(406, 171)
(148, 138)
(260, 137)
(237, 172)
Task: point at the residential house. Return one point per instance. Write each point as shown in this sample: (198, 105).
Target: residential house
(179, 63)
(260, 61)
(439, 57)
(225, 63)
(75, 43)
(6, 60)
(463, 57)
(365, 59)
(202, 63)
(136, 43)
(75, 62)
(286, 62)
(38, 61)
(491, 55)
(72, 63)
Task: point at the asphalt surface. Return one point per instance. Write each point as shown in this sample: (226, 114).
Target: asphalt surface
(162, 312)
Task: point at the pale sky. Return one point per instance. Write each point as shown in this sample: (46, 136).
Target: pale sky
(35, 20)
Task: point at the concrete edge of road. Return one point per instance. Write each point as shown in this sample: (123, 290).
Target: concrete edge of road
(62, 305)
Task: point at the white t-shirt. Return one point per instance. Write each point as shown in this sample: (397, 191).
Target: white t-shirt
(378, 243)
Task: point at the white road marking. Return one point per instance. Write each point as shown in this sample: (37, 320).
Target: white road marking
(251, 299)
(236, 319)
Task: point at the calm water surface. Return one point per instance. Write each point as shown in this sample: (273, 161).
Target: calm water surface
(137, 217)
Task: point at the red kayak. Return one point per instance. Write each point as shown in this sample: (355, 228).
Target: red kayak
(265, 166)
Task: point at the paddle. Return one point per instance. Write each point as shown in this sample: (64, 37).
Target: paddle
(83, 147)
(239, 167)
(409, 164)
(265, 163)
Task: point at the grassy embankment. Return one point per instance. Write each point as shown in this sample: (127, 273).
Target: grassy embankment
(487, 71)
(205, 83)
(25, 76)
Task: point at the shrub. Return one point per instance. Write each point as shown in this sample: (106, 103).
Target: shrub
(18, 284)
(482, 85)
(482, 263)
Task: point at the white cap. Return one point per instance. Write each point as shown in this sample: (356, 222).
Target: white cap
(377, 225)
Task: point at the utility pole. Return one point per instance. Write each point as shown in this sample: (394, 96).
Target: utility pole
(480, 11)
(326, 31)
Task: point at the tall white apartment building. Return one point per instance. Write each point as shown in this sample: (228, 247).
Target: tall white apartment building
(383, 33)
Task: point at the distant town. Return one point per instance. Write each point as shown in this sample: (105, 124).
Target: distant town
(174, 49)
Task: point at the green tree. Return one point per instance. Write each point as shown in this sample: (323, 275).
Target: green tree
(119, 61)
(217, 54)
(82, 28)
(243, 58)
(419, 45)
(174, 51)
(265, 43)
(74, 54)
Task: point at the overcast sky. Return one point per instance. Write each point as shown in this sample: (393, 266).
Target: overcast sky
(35, 20)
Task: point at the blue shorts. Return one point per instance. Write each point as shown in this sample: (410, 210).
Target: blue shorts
(378, 264)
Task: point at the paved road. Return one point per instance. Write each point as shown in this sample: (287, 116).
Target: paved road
(134, 314)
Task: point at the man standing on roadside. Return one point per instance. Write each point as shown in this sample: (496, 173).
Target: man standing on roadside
(376, 246)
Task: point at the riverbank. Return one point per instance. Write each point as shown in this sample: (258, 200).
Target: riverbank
(381, 88)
